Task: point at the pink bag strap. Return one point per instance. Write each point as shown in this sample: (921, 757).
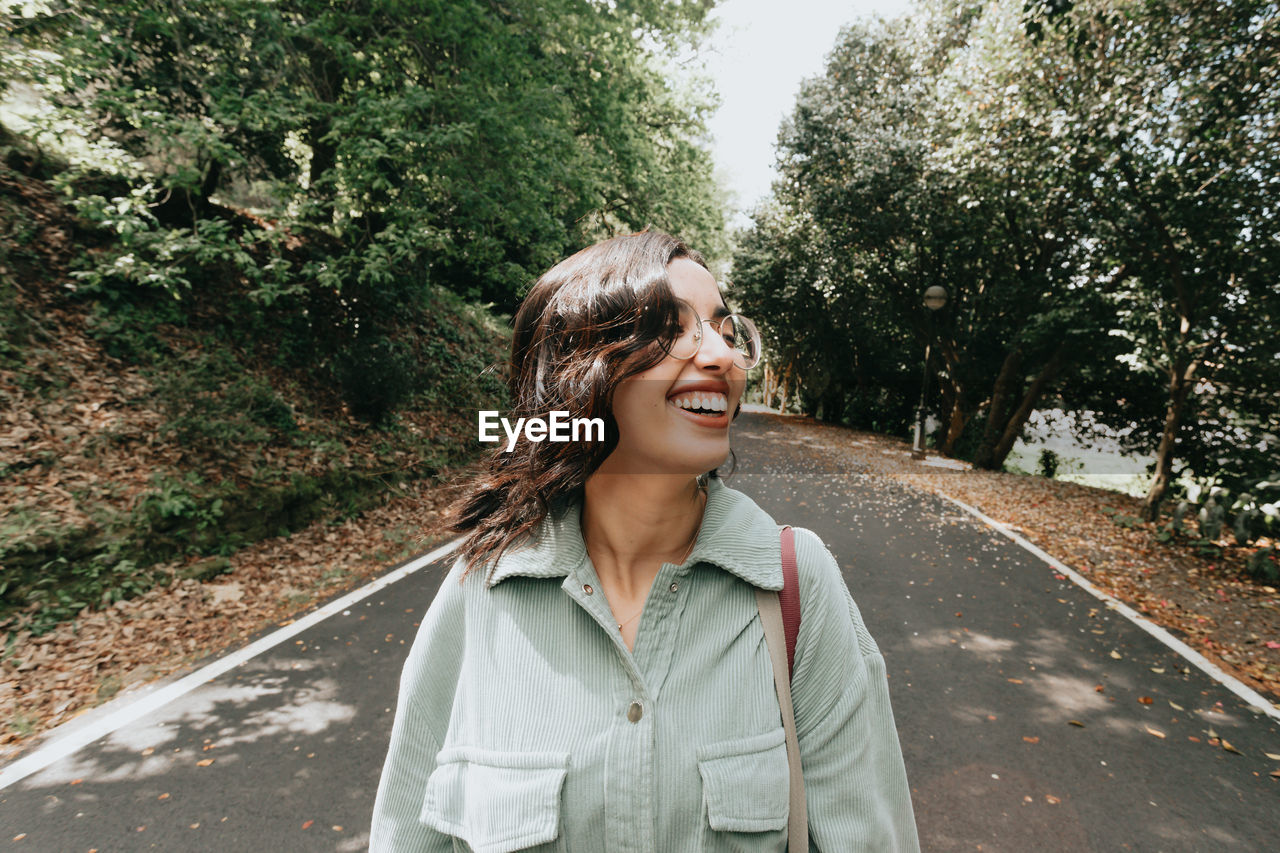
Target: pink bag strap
(789, 597)
(780, 618)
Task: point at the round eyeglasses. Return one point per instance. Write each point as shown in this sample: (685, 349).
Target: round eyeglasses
(739, 334)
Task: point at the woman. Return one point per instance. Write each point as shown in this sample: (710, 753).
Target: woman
(593, 675)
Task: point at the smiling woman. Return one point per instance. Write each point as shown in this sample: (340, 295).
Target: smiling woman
(598, 677)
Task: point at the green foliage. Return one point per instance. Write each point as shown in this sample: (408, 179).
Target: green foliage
(1093, 184)
(173, 502)
(397, 133)
(53, 572)
(212, 402)
(1048, 463)
(310, 172)
(375, 376)
(1249, 509)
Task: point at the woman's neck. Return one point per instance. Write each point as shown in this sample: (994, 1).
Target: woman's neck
(632, 524)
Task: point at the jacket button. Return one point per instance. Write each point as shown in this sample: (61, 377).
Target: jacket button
(635, 712)
(586, 587)
(674, 587)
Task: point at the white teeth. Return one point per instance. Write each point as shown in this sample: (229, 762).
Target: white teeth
(701, 400)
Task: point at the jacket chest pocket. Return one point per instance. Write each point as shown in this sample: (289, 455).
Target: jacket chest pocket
(497, 802)
(746, 792)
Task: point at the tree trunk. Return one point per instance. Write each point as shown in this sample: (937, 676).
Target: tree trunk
(1013, 428)
(1010, 374)
(327, 81)
(955, 426)
(1180, 383)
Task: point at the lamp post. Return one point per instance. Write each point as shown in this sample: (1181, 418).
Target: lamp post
(934, 298)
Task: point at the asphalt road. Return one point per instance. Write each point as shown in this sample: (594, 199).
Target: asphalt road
(991, 658)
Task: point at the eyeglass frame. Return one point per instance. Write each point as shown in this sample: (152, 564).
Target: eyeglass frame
(717, 324)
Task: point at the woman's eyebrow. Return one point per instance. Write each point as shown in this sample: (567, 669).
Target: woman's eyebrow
(721, 311)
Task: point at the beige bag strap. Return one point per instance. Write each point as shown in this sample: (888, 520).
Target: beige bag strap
(774, 635)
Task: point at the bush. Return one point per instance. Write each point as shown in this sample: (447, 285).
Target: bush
(1250, 509)
(1049, 462)
(375, 375)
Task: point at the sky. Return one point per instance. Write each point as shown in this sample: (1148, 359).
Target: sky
(757, 58)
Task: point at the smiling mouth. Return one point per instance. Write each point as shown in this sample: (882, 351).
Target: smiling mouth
(707, 408)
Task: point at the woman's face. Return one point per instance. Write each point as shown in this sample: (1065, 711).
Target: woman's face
(658, 434)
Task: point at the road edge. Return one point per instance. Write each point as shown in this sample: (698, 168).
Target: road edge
(1256, 700)
(70, 737)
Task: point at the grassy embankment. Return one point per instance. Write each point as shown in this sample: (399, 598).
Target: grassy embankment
(137, 430)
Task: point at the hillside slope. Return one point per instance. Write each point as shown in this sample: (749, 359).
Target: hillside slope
(142, 441)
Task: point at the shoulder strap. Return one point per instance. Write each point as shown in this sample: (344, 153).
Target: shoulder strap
(779, 634)
(789, 596)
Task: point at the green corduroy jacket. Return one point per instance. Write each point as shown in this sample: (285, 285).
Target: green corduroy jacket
(524, 723)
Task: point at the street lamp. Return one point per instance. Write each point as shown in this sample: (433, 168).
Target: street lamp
(934, 298)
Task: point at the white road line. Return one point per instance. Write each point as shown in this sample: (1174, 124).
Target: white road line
(1203, 664)
(76, 736)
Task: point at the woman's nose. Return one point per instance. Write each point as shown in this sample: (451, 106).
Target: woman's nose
(715, 351)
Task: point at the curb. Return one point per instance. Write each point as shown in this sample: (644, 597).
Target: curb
(1258, 702)
(72, 736)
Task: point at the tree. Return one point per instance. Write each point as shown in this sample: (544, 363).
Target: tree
(1168, 108)
(915, 170)
(474, 143)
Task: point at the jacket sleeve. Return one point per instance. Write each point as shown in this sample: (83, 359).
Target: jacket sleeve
(855, 779)
(427, 686)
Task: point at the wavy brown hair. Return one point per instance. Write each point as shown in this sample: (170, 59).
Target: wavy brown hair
(591, 321)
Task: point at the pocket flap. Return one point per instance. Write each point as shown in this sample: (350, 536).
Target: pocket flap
(745, 783)
(496, 801)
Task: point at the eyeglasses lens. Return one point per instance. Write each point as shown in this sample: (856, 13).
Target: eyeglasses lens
(738, 332)
(741, 334)
(686, 340)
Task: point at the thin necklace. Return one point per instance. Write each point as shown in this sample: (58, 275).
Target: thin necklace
(687, 552)
(682, 559)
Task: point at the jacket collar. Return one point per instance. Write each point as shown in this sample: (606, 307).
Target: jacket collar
(736, 535)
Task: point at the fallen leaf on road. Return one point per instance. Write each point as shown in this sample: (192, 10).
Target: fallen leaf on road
(1098, 688)
(1145, 700)
(1155, 732)
(1015, 680)
(1158, 670)
(1075, 723)
(1275, 774)
(1051, 799)
(307, 825)
(1229, 748)
(1116, 655)
(1272, 756)
(1194, 738)
(1176, 706)
(1031, 739)
(149, 750)
(205, 762)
